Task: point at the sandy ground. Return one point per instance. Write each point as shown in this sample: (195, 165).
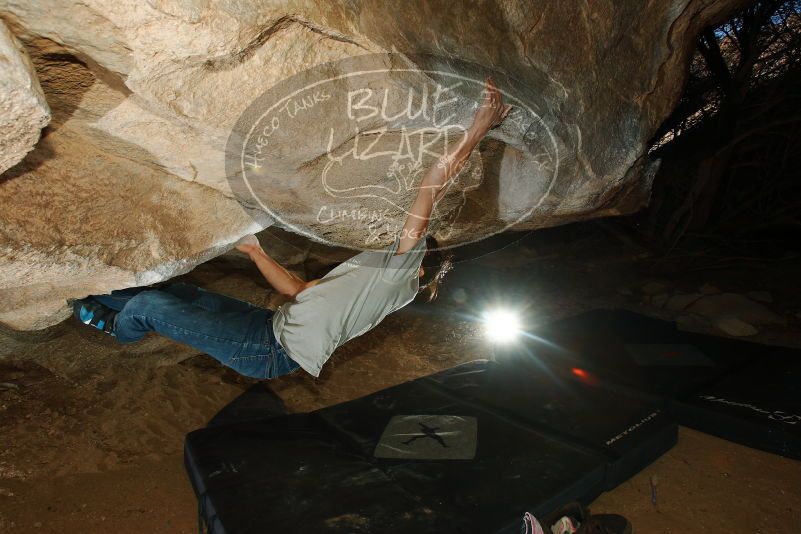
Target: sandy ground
(92, 431)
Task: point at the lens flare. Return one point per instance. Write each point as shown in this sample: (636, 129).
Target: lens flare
(501, 326)
(581, 373)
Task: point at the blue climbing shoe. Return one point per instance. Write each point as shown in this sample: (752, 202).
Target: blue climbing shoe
(90, 312)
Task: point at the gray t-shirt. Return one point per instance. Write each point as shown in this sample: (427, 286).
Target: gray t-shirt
(347, 302)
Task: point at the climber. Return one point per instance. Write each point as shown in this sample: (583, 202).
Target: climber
(321, 314)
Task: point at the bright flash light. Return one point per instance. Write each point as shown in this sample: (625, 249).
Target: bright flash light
(501, 325)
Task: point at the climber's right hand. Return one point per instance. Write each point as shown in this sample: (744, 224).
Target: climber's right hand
(248, 244)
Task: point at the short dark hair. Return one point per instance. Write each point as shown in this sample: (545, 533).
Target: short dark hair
(435, 265)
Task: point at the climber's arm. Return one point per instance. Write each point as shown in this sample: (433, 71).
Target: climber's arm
(285, 282)
(432, 188)
(439, 176)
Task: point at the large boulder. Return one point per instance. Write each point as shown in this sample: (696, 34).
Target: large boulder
(23, 108)
(136, 181)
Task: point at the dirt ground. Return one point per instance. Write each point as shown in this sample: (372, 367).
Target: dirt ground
(92, 431)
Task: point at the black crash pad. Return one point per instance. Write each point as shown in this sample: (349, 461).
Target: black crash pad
(758, 406)
(466, 450)
(294, 474)
(647, 357)
(738, 390)
(516, 468)
(288, 475)
(629, 431)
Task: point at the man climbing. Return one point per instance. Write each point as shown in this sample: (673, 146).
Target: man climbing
(323, 313)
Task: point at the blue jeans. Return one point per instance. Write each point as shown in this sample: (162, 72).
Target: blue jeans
(238, 334)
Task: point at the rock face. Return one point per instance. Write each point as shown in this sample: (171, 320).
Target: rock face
(735, 314)
(129, 184)
(23, 108)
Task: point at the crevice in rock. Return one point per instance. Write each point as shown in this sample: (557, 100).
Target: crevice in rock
(230, 61)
